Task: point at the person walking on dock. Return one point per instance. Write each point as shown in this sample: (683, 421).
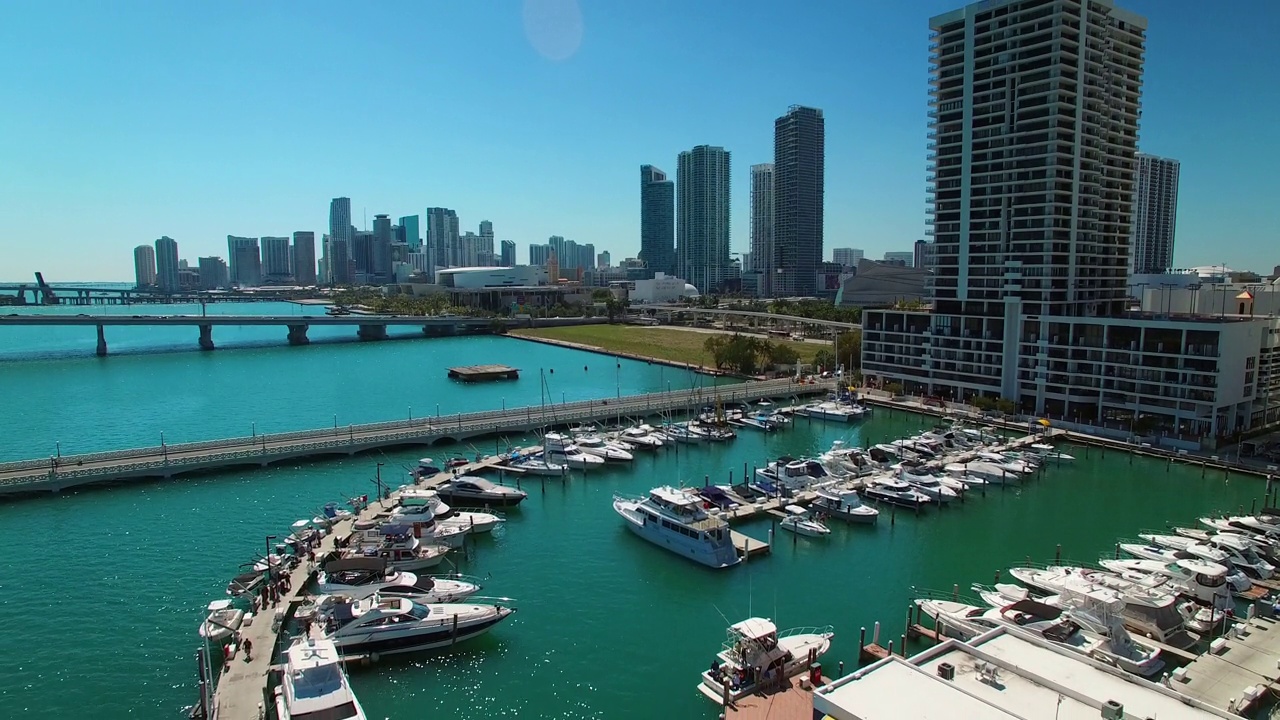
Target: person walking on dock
(248, 650)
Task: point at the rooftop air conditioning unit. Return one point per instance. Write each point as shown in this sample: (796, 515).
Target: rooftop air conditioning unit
(947, 671)
(1112, 710)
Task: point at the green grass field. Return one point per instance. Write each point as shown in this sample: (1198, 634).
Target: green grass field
(682, 346)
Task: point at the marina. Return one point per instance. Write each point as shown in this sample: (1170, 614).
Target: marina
(527, 661)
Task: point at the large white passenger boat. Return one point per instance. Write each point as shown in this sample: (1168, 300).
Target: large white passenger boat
(673, 519)
(314, 686)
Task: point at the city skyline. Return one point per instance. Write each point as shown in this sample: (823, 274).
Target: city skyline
(134, 180)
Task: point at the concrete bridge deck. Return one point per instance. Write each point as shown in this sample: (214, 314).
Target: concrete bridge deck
(56, 474)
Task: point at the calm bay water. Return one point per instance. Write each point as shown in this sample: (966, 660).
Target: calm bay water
(101, 594)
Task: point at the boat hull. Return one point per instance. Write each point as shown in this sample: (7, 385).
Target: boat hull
(699, 552)
(442, 637)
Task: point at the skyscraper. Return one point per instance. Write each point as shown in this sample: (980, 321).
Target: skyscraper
(144, 266)
(1155, 216)
(213, 273)
(603, 260)
(799, 147)
(246, 263)
(762, 226)
(538, 254)
(167, 264)
(362, 255)
(276, 266)
(442, 237)
(847, 257)
(1033, 130)
(304, 257)
(380, 260)
(702, 219)
(508, 253)
(657, 220)
(924, 255)
(339, 224)
(412, 235)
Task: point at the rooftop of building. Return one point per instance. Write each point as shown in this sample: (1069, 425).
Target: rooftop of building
(1003, 674)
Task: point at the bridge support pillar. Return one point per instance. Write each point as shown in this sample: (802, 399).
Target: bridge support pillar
(102, 342)
(206, 337)
(298, 335)
(372, 332)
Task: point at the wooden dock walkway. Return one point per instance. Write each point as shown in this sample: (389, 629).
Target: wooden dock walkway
(245, 684)
(1239, 669)
(795, 702)
(168, 460)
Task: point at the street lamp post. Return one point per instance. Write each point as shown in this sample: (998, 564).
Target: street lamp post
(164, 448)
(271, 572)
(253, 429)
(410, 414)
(59, 446)
(335, 423)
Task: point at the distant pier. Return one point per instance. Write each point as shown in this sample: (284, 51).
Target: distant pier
(53, 474)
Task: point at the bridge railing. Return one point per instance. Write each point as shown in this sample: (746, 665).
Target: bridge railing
(369, 434)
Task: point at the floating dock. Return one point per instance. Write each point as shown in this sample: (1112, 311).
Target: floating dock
(1238, 670)
(479, 373)
(793, 702)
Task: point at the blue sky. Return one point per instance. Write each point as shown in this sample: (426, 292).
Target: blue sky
(126, 121)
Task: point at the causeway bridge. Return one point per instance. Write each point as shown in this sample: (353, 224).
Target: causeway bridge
(369, 327)
(53, 474)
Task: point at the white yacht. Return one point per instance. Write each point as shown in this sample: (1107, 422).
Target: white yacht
(1072, 628)
(1189, 548)
(831, 411)
(794, 474)
(895, 492)
(561, 449)
(844, 460)
(386, 624)
(598, 446)
(756, 654)
(992, 473)
(1013, 465)
(642, 436)
(358, 578)
(222, 622)
(1049, 452)
(1150, 611)
(401, 552)
(927, 483)
(1202, 581)
(844, 503)
(674, 519)
(800, 522)
(313, 684)
(539, 465)
(411, 496)
(1242, 553)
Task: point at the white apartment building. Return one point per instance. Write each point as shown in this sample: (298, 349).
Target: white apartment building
(1033, 139)
(1155, 215)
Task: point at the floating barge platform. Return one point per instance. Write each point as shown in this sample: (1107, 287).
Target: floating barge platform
(478, 373)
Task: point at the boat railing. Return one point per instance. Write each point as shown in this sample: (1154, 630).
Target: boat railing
(955, 594)
(807, 630)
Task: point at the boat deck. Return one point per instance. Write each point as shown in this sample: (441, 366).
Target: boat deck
(793, 702)
(1247, 659)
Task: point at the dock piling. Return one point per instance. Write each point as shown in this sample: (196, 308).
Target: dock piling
(875, 635)
(862, 637)
(1057, 555)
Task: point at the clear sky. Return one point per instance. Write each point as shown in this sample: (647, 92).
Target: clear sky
(126, 121)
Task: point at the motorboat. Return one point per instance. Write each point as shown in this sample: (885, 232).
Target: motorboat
(360, 577)
(674, 519)
(894, 492)
(598, 446)
(405, 521)
(831, 411)
(472, 491)
(792, 473)
(756, 655)
(427, 468)
(1049, 452)
(992, 473)
(800, 522)
(842, 459)
(1202, 619)
(414, 496)
(246, 583)
(682, 434)
(844, 504)
(537, 464)
(1266, 548)
(757, 421)
(386, 625)
(642, 436)
(1075, 629)
(222, 622)
(1192, 548)
(562, 450)
(1260, 524)
(1149, 611)
(472, 522)
(711, 433)
(1242, 553)
(717, 497)
(1202, 581)
(1013, 465)
(313, 684)
(401, 551)
(927, 483)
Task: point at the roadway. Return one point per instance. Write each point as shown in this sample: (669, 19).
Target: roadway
(748, 313)
(197, 320)
(55, 474)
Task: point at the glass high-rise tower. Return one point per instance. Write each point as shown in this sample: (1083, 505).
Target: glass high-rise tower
(702, 217)
(657, 220)
(799, 146)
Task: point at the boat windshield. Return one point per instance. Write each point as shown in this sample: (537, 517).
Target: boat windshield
(1211, 580)
(337, 712)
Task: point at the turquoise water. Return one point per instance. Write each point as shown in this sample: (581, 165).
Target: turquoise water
(101, 591)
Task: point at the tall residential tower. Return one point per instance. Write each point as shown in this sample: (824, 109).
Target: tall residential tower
(762, 226)
(702, 217)
(1155, 216)
(657, 220)
(799, 145)
(167, 264)
(144, 266)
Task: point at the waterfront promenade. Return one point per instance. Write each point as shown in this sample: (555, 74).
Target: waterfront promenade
(53, 474)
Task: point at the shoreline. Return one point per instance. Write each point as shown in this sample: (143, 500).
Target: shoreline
(700, 369)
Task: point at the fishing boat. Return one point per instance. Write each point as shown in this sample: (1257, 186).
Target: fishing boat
(313, 685)
(800, 522)
(222, 622)
(755, 656)
(675, 520)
